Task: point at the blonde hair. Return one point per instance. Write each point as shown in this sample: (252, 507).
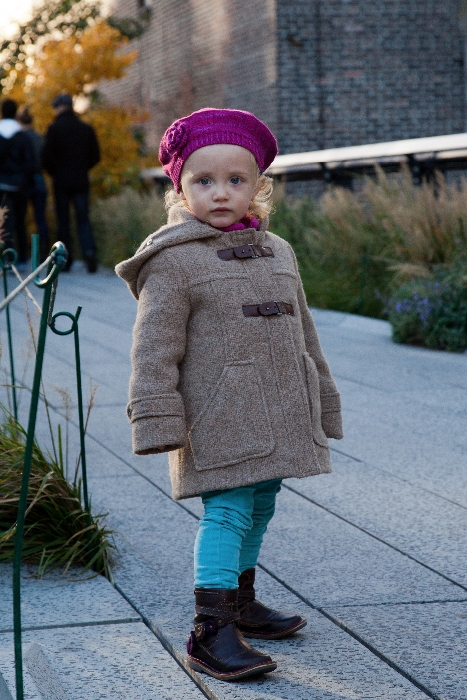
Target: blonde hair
(260, 206)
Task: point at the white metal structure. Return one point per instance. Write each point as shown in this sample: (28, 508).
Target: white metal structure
(423, 155)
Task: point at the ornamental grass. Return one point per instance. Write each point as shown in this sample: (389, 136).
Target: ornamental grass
(411, 227)
(355, 247)
(58, 532)
(121, 223)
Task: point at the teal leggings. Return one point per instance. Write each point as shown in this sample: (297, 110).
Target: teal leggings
(231, 532)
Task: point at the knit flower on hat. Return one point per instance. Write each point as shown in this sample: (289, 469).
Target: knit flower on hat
(175, 138)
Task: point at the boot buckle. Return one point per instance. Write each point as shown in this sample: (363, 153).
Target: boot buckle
(204, 628)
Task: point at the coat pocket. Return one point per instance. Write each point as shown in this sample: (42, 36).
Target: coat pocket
(234, 424)
(312, 380)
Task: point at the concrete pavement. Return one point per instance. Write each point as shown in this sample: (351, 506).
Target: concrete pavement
(373, 554)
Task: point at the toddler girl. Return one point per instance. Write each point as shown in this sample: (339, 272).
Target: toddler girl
(228, 373)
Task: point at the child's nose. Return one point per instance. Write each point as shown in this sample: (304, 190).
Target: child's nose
(221, 192)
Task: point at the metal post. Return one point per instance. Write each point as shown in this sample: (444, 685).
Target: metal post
(56, 263)
(79, 391)
(10, 256)
(35, 250)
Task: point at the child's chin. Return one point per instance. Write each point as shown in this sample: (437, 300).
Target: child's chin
(221, 221)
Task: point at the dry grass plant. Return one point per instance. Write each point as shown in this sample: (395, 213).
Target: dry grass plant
(122, 222)
(353, 248)
(59, 533)
(411, 228)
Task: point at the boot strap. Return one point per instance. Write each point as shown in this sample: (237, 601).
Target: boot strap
(246, 596)
(227, 610)
(212, 625)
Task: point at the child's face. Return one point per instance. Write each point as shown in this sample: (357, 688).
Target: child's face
(218, 183)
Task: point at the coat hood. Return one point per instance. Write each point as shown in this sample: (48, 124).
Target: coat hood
(182, 227)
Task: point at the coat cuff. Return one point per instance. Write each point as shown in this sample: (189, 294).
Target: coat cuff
(152, 434)
(331, 417)
(157, 421)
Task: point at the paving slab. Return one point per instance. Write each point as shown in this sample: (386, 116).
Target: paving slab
(82, 639)
(320, 663)
(159, 586)
(61, 600)
(403, 481)
(425, 446)
(342, 563)
(331, 562)
(403, 406)
(109, 662)
(428, 641)
(378, 502)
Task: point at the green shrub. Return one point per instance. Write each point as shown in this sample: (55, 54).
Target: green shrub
(433, 311)
(122, 222)
(336, 274)
(353, 247)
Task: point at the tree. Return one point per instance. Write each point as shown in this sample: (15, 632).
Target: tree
(53, 18)
(76, 64)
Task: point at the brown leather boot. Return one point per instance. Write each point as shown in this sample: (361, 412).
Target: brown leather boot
(216, 646)
(259, 621)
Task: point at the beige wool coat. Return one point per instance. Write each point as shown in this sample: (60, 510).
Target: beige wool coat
(238, 399)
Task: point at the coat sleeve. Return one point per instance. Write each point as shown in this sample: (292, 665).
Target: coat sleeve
(331, 416)
(156, 410)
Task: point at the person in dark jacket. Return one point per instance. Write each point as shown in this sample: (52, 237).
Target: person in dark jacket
(70, 150)
(37, 190)
(16, 170)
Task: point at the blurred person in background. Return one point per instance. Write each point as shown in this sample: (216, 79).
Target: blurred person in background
(16, 171)
(70, 150)
(37, 190)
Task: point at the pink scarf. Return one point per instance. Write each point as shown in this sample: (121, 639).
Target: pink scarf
(247, 222)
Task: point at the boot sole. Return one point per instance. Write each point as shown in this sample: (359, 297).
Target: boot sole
(201, 667)
(278, 635)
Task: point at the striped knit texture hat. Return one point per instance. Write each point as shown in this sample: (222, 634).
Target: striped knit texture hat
(210, 126)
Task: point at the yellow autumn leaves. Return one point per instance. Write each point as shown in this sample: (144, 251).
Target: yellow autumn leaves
(76, 65)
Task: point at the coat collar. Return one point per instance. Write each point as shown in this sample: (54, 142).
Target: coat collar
(182, 227)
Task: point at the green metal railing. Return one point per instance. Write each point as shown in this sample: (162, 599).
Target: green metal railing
(53, 266)
(8, 258)
(82, 428)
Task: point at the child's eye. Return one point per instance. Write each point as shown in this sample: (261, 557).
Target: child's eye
(235, 180)
(204, 181)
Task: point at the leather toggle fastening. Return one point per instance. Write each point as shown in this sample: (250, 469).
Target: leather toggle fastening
(268, 308)
(245, 251)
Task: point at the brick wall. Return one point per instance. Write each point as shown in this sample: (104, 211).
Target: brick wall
(320, 73)
(357, 71)
(200, 53)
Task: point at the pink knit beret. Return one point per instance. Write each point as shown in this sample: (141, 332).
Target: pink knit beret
(210, 126)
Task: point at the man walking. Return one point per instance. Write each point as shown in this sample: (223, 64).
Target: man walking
(16, 170)
(36, 192)
(70, 151)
